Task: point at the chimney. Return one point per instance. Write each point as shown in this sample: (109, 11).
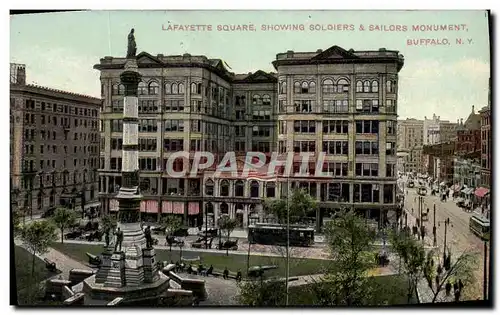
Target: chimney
(433, 116)
(461, 121)
(473, 109)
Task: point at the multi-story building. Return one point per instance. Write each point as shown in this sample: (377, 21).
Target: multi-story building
(54, 146)
(340, 102)
(437, 131)
(468, 151)
(410, 141)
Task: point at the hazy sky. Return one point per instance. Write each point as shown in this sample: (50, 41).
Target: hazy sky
(60, 49)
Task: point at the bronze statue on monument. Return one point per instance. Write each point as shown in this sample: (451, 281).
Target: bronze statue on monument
(132, 47)
(149, 238)
(119, 239)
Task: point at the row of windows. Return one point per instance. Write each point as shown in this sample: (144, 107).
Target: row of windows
(45, 135)
(339, 106)
(30, 119)
(58, 108)
(341, 86)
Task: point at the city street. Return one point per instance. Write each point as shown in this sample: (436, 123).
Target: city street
(458, 236)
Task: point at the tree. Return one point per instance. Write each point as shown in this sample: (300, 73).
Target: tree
(418, 266)
(299, 204)
(16, 221)
(462, 268)
(169, 225)
(262, 293)
(227, 225)
(350, 240)
(64, 218)
(37, 238)
(108, 223)
(413, 259)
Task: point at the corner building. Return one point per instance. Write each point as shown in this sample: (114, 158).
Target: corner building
(340, 102)
(54, 152)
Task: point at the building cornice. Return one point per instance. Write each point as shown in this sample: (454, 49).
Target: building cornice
(36, 90)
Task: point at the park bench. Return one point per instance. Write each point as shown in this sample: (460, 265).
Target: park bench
(50, 265)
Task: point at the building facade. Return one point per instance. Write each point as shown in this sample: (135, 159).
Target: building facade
(468, 151)
(54, 146)
(410, 141)
(340, 102)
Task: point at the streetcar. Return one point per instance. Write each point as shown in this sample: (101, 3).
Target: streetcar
(276, 234)
(480, 226)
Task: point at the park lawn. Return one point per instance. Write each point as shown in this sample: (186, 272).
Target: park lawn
(298, 266)
(23, 262)
(388, 290)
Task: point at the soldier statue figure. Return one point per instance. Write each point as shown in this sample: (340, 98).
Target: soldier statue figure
(131, 48)
(119, 239)
(106, 237)
(149, 238)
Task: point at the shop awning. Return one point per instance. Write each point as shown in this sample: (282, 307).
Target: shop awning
(467, 191)
(481, 192)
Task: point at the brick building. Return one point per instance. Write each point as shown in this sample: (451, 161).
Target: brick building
(54, 146)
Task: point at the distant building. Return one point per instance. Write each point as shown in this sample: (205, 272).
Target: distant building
(468, 151)
(54, 145)
(410, 141)
(437, 131)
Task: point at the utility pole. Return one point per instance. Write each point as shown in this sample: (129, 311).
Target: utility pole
(446, 223)
(485, 272)
(434, 230)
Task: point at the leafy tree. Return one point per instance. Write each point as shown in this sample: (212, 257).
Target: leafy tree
(418, 266)
(16, 221)
(300, 203)
(413, 259)
(108, 223)
(64, 218)
(227, 225)
(462, 268)
(350, 241)
(37, 238)
(262, 293)
(169, 225)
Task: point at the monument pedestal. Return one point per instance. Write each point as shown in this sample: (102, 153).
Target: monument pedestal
(150, 267)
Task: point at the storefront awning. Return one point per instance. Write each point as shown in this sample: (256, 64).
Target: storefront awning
(481, 192)
(467, 191)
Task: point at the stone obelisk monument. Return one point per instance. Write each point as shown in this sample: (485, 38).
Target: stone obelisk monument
(128, 269)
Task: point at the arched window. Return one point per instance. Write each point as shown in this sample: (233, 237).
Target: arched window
(181, 88)
(266, 100)
(388, 85)
(375, 86)
(209, 187)
(327, 86)
(254, 189)
(193, 88)
(168, 88)
(283, 88)
(239, 189)
(115, 89)
(366, 87)
(121, 89)
(175, 88)
(342, 86)
(257, 100)
(224, 188)
(359, 86)
(142, 88)
(304, 88)
(296, 87)
(312, 87)
(153, 88)
(270, 190)
(224, 209)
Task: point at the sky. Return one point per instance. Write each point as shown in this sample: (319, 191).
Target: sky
(60, 49)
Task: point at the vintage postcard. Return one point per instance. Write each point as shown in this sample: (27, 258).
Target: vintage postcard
(252, 158)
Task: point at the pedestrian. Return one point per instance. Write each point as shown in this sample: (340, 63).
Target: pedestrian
(448, 288)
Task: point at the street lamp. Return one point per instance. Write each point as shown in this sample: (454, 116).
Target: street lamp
(446, 223)
(434, 230)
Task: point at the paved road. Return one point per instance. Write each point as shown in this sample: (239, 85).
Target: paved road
(458, 238)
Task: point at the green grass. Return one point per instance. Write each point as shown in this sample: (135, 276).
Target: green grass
(24, 279)
(387, 290)
(298, 266)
